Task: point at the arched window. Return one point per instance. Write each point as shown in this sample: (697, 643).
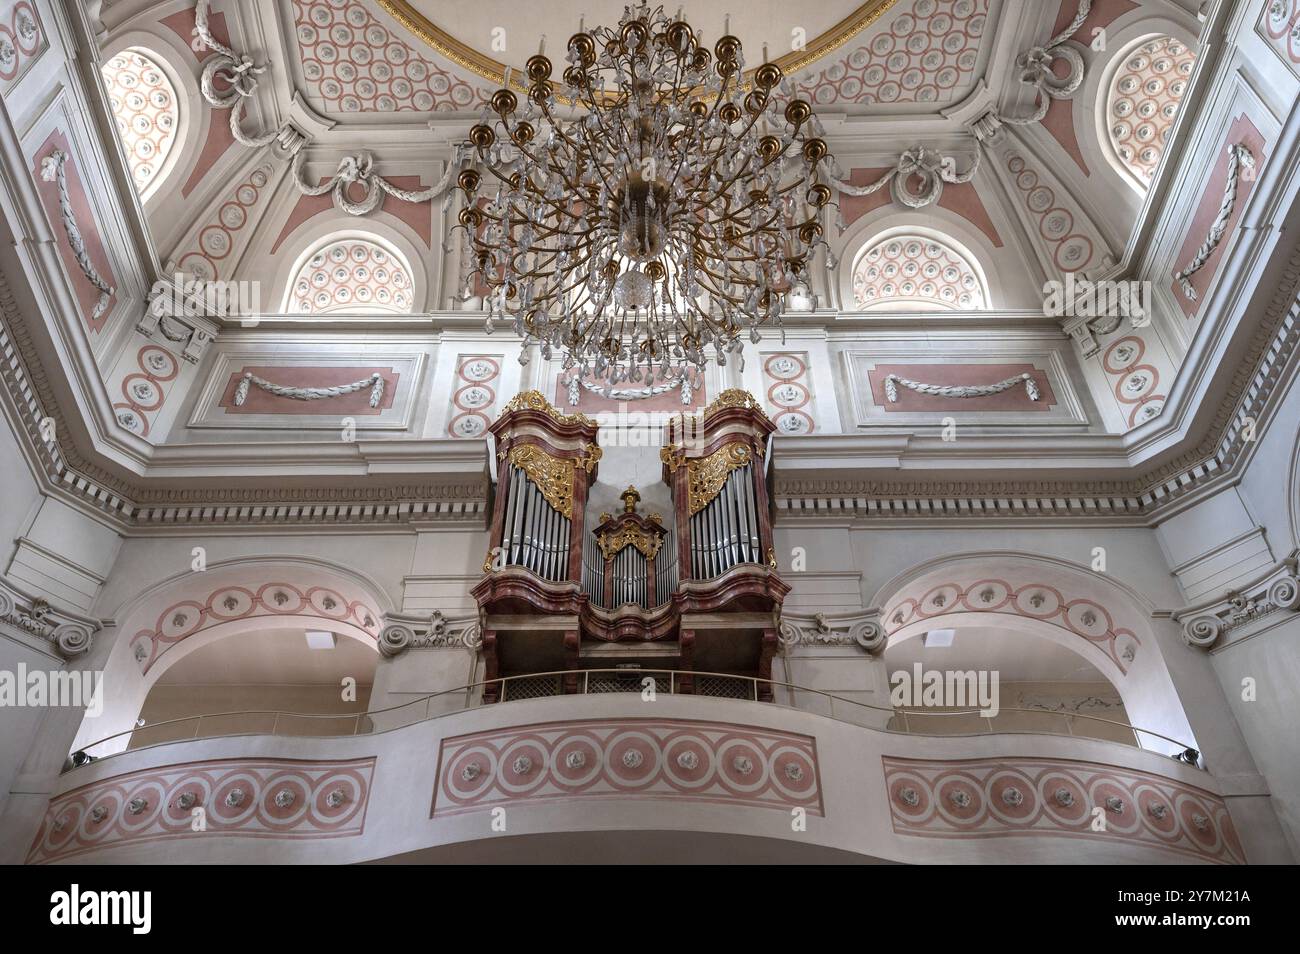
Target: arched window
(352, 275)
(147, 111)
(1143, 103)
(917, 272)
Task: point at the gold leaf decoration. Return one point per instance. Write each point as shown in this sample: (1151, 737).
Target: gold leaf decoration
(672, 457)
(707, 475)
(552, 475)
(630, 534)
(536, 401)
(735, 397)
(591, 454)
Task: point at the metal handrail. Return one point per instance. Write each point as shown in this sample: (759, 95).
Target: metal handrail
(674, 688)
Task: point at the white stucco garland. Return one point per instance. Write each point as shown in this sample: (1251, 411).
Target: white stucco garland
(629, 394)
(960, 391)
(933, 169)
(1035, 66)
(52, 170)
(375, 382)
(1239, 158)
(359, 170)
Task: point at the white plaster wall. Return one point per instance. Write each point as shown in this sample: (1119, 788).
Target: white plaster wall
(18, 491)
(18, 723)
(64, 555)
(1271, 661)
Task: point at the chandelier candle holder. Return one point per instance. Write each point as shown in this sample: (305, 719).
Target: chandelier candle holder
(652, 207)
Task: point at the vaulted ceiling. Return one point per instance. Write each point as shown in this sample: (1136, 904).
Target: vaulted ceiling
(307, 149)
(387, 88)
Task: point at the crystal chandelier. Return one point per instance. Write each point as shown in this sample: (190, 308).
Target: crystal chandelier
(654, 208)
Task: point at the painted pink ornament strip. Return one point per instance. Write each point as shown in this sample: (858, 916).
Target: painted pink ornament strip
(474, 395)
(184, 619)
(1279, 25)
(1083, 617)
(251, 798)
(145, 389)
(22, 40)
(789, 392)
(628, 758)
(990, 798)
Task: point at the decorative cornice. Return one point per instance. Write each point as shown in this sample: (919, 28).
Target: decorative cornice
(68, 472)
(1229, 434)
(1255, 380)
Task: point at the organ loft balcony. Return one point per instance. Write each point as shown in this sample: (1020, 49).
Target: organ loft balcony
(570, 587)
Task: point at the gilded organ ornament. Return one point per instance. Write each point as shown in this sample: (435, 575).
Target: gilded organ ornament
(629, 534)
(707, 475)
(553, 476)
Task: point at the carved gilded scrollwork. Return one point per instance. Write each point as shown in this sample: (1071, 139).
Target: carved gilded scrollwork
(707, 475)
(591, 454)
(735, 397)
(672, 457)
(553, 476)
(648, 542)
(536, 401)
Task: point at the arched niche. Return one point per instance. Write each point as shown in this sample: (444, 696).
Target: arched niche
(350, 275)
(1087, 613)
(964, 242)
(1125, 36)
(917, 270)
(282, 264)
(165, 52)
(165, 624)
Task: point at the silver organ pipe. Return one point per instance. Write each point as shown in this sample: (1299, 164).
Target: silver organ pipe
(666, 570)
(593, 572)
(724, 532)
(534, 534)
(630, 570)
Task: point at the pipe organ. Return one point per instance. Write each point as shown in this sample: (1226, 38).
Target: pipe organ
(696, 591)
